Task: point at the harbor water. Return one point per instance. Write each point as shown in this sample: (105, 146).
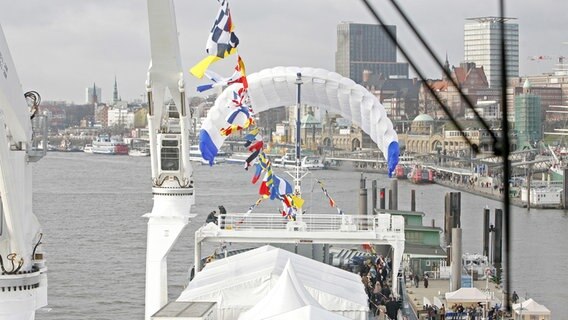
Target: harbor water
(91, 206)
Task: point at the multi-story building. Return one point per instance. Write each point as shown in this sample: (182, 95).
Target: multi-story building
(549, 96)
(367, 47)
(470, 78)
(398, 96)
(120, 117)
(556, 79)
(482, 45)
(528, 117)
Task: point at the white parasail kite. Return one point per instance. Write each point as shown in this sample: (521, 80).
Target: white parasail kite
(275, 87)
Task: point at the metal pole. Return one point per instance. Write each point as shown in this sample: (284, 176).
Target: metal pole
(505, 148)
(412, 200)
(298, 136)
(298, 173)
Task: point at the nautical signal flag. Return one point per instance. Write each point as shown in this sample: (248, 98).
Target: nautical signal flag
(238, 76)
(221, 43)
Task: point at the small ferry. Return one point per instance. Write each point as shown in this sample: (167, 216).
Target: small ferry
(104, 144)
(308, 162)
(136, 152)
(195, 155)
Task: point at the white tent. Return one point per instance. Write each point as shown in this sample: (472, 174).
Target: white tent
(466, 295)
(530, 309)
(238, 282)
(308, 312)
(426, 301)
(437, 302)
(289, 299)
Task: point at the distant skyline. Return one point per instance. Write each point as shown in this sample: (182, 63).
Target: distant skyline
(60, 47)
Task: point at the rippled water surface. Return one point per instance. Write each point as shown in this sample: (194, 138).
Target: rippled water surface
(91, 207)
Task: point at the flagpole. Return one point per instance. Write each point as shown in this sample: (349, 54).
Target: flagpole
(298, 177)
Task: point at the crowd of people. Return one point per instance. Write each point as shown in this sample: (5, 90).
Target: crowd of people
(375, 275)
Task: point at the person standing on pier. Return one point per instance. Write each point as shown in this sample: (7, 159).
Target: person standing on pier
(416, 280)
(515, 297)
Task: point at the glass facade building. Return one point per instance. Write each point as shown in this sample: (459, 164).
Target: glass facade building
(367, 47)
(528, 119)
(482, 45)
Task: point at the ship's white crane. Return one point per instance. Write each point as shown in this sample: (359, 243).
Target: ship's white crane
(169, 127)
(23, 136)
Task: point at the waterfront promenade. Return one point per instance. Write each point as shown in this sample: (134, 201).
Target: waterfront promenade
(486, 192)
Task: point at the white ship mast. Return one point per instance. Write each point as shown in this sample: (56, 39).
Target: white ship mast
(172, 183)
(23, 279)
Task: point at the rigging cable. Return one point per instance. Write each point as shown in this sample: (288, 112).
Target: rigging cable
(392, 37)
(500, 146)
(506, 163)
(446, 72)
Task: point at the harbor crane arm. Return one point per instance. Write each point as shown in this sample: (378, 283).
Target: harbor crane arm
(22, 267)
(165, 75)
(169, 127)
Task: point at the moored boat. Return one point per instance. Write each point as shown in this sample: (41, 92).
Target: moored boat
(195, 155)
(88, 148)
(139, 152)
(419, 174)
(107, 145)
(308, 162)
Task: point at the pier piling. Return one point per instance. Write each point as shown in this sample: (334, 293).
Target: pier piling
(382, 198)
(529, 181)
(452, 216)
(373, 196)
(565, 191)
(394, 187)
(498, 245)
(486, 213)
(456, 259)
(362, 197)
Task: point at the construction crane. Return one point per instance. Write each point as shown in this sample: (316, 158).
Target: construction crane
(168, 126)
(23, 140)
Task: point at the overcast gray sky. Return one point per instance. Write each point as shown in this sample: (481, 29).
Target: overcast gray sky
(60, 47)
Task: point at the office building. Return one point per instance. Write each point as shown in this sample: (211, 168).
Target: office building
(367, 47)
(528, 117)
(482, 45)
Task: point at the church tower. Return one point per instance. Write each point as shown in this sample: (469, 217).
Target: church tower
(95, 98)
(115, 97)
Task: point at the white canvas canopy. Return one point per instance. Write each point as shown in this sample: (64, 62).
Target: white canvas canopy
(239, 282)
(289, 299)
(530, 309)
(308, 312)
(466, 295)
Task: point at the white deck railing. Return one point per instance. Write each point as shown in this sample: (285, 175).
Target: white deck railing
(313, 222)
